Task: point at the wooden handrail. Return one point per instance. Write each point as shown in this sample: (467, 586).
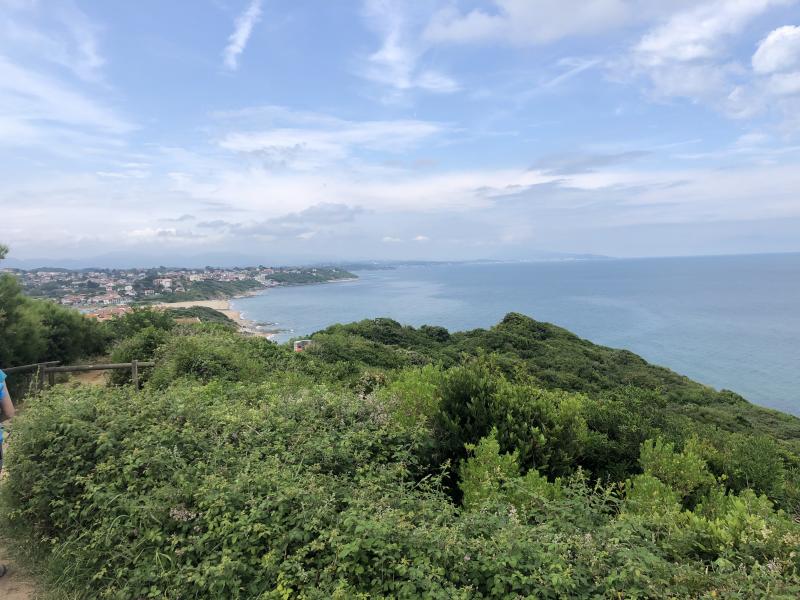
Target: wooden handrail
(32, 367)
(47, 370)
(74, 368)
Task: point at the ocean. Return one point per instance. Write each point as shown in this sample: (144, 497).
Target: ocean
(730, 322)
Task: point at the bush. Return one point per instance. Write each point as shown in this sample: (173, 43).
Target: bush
(204, 313)
(546, 428)
(413, 397)
(39, 330)
(465, 407)
(232, 490)
(381, 463)
(684, 472)
(141, 346)
(21, 327)
(753, 461)
(206, 357)
(488, 477)
(129, 324)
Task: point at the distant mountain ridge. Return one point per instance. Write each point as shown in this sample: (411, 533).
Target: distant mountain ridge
(121, 260)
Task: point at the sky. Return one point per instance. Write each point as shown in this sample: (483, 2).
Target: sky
(386, 129)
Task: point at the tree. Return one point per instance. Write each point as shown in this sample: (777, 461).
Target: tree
(38, 330)
(21, 329)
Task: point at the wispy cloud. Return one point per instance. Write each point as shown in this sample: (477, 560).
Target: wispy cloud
(570, 164)
(522, 22)
(39, 109)
(70, 40)
(308, 141)
(574, 68)
(52, 93)
(396, 64)
(324, 217)
(524, 161)
(241, 34)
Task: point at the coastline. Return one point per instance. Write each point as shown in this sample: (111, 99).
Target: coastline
(225, 306)
(245, 326)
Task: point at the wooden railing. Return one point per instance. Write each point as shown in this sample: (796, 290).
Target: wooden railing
(47, 370)
(33, 367)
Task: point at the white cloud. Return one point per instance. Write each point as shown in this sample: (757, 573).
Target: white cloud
(575, 66)
(88, 214)
(70, 40)
(307, 141)
(691, 56)
(523, 22)
(241, 34)
(273, 193)
(30, 97)
(777, 58)
(50, 81)
(784, 84)
(779, 51)
(699, 33)
(396, 63)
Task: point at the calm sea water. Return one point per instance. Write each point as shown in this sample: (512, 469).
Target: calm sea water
(729, 322)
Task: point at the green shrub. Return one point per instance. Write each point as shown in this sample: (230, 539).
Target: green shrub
(618, 423)
(206, 357)
(204, 313)
(39, 330)
(387, 461)
(546, 428)
(489, 477)
(753, 461)
(69, 334)
(234, 490)
(129, 324)
(465, 406)
(683, 471)
(413, 396)
(141, 346)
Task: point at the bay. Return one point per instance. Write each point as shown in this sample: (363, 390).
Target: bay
(731, 322)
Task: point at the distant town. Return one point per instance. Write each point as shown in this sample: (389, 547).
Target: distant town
(97, 288)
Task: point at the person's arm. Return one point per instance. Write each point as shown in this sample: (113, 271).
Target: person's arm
(5, 402)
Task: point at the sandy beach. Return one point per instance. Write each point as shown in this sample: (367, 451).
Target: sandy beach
(223, 306)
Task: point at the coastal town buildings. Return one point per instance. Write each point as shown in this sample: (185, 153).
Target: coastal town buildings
(88, 289)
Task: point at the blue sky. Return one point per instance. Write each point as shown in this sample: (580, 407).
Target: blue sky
(438, 129)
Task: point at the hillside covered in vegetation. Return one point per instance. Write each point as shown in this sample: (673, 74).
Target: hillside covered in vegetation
(389, 461)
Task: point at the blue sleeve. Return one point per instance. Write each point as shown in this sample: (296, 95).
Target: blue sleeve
(2, 381)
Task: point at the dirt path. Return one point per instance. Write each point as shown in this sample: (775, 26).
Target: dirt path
(90, 377)
(15, 585)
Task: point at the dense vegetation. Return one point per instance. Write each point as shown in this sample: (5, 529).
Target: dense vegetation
(210, 290)
(390, 461)
(37, 330)
(306, 276)
(204, 313)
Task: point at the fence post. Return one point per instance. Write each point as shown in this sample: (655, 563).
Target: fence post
(135, 374)
(51, 377)
(42, 374)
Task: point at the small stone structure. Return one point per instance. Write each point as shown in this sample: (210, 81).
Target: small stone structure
(301, 345)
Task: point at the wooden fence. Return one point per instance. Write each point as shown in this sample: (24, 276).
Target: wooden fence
(47, 370)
